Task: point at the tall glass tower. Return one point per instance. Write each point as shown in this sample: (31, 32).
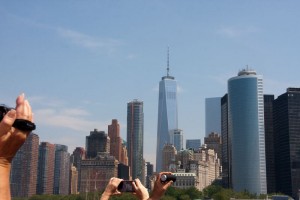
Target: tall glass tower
(246, 130)
(135, 139)
(167, 114)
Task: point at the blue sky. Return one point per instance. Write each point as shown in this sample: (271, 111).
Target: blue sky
(80, 62)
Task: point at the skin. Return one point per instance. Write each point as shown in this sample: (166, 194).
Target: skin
(11, 139)
(159, 187)
(112, 189)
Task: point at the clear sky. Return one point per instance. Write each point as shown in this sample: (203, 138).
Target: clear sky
(80, 62)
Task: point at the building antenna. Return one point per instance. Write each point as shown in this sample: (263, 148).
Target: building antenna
(168, 68)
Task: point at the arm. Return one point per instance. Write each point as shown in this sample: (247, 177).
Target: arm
(159, 187)
(111, 188)
(11, 139)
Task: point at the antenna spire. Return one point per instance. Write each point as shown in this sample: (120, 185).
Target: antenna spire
(168, 68)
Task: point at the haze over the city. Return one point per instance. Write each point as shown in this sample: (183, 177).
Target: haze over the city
(79, 63)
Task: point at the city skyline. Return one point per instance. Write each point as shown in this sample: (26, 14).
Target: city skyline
(80, 66)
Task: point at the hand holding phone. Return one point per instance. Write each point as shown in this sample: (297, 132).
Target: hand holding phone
(126, 186)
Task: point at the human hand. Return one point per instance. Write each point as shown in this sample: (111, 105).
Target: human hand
(111, 188)
(140, 191)
(159, 187)
(11, 139)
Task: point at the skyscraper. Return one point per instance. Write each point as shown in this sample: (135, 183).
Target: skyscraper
(213, 141)
(212, 115)
(246, 127)
(287, 146)
(61, 170)
(176, 138)
(167, 114)
(45, 168)
(226, 144)
(193, 144)
(269, 137)
(115, 140)
(97, 141)
(135, 138)
(24, 168)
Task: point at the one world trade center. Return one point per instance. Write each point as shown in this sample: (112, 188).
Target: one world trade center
(167, 114)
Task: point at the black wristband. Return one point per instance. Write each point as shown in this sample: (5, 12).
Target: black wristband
(24, 125)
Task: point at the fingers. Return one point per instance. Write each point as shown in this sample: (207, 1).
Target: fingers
(7, 122)
(23, 108)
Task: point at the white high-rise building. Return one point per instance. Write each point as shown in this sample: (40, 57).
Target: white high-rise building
(246, 130)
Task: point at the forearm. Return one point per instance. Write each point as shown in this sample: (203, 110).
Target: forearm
(105, 196)
(4, 183)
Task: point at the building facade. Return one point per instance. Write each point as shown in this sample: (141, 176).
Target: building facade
(226, 145)
(61, 170)
(214, 141)
(212, 115)
(96, 172)
(24, 168)
(78, 155)
(167, 114)
(246, 127)
(287, 146)
(269, 138)
(168, 156)
(193, 144)
(73, 180)
(45, 176)
(97, 141)
(176, 138)
(135, 139)
(115, 140)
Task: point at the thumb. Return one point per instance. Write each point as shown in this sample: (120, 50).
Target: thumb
(7, 122)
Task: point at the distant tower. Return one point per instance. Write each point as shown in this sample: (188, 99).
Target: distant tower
(167, 114)
(24, 168)
(61, 170)
(135, 138)
(46, 162)
(193, 144)
(246, 127)
(97, 141)
(115, 139)
(212, 115)
(176, 138)
(168, 154)
(213, 141)
(287, 145)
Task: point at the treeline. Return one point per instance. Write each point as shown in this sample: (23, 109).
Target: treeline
(215, 192)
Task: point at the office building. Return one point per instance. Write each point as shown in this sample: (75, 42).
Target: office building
(24, 168)
(124, 154)
(167, 114)
(269, 138)
(61, 170)
(212, 115)
(45, 177)
(115, 140)
(149, 175)
(213, 141)
(135, 139)
(287, 145)
(246, 127)
(97, 141)
(193, 144)
(78, 155)
(176, 138)
(226, 144)
(96, 172)
(73, 180)
(168, 156)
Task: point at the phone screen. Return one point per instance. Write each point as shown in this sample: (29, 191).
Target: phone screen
(126, 186)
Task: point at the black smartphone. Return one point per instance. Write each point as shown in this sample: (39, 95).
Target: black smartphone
(126, 186)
